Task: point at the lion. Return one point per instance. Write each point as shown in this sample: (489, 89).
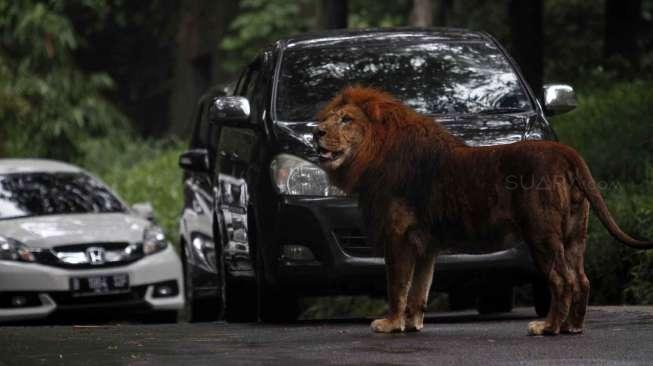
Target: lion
(422, 190)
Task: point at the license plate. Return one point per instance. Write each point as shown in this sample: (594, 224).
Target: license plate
(100, 285)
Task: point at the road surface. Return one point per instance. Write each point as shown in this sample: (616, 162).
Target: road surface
(614, 336)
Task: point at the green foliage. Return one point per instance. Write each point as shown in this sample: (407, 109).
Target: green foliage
(260, 22)
(612, 131)
(371, 13)
(48, 106)
(573, 37)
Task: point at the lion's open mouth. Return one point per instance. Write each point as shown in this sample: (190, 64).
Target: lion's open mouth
(328, 155)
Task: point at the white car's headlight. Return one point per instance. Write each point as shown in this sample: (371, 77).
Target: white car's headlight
(13, 250)
(154, 240)
(298, 177)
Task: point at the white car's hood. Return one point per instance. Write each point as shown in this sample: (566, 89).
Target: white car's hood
(49, 231)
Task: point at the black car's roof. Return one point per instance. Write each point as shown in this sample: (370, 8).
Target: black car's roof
(352, 37)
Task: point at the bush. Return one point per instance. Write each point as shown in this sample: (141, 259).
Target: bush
(612, 130)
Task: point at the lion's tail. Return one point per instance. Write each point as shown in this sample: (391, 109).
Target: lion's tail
(588, 185)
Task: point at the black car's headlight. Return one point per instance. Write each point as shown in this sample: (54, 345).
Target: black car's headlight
(298, 177)
(13, 250)
(154, 240)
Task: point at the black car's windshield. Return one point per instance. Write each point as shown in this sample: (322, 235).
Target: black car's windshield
(36, 194)
(435, 79)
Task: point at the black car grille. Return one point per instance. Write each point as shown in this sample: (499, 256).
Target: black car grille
(353, 243)
(51, 256)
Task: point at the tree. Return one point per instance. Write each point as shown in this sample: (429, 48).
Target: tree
(133, 42)
(258, 23)
(526, 33)
(422, 13)
(48, 106)
(623, 24)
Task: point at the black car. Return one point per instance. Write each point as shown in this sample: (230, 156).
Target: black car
(262, 226)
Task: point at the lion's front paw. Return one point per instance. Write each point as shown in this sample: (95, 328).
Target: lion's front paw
(388, 325)
(540, 327)
(414, 323)
(569, 329)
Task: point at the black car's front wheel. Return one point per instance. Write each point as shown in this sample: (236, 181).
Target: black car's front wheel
(276, 305)
(204, 309)
(161, 317)
(240, 298)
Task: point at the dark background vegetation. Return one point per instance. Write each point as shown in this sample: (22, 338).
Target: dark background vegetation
(110, 85)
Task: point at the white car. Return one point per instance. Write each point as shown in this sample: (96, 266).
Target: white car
(68, 243)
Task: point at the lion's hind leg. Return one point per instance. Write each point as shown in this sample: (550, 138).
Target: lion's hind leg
(550, 258)
(574, 254)
(581, 289)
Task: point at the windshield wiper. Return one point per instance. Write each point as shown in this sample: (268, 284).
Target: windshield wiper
(502, 110)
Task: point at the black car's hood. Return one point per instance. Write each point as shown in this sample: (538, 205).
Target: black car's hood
(477, 130)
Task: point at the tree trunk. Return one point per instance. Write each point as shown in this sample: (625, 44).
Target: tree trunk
(422, 13)
(623, 24)
(202, 24)
(444, 8)
(334, 14)
(526, 33)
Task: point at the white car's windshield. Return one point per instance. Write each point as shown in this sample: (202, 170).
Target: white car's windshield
(37, 194)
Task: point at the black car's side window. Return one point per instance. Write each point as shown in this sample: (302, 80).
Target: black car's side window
(201, 136)
(248, 83)
(250, 87)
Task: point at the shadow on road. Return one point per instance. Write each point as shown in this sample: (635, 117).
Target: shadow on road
(468, 316)
(114, 318)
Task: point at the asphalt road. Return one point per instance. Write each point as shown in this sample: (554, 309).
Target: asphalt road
(613, 336)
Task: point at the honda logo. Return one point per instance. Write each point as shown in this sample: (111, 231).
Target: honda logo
(96, 255)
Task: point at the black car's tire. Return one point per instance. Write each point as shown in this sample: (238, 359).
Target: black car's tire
(496, 300)
(277, 306)
(460, 299)
(241, 302)
(162, 317)
(197, 310)
(541, 298)
(202, 310)
(273, 305)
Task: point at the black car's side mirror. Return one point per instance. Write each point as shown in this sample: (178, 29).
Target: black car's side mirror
(230, 110)
(558, 99)
(196, 160)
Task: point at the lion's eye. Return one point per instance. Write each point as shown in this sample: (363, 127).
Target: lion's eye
(345, 119)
